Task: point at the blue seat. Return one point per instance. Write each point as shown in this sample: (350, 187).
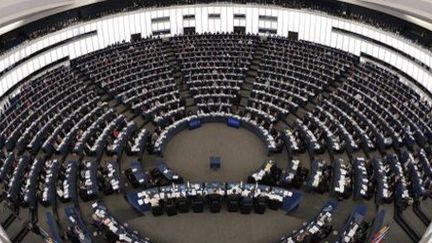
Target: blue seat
(291, 203)
(193, 124)
(233, 122)
(53, 228)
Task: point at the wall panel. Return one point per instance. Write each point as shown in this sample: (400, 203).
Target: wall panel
(312, 26)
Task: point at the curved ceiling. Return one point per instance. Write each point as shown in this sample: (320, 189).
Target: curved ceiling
(418, 12)
(15, 13)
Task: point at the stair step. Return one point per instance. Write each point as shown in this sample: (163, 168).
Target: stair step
(247, 86)
(245, 93)
(189, 102)
(177, 75)
(250, 80)
(185, 93)
(251, 74)
(192, 109)
(256, 62)
(244, 101)
(21, 235)
(309, 106)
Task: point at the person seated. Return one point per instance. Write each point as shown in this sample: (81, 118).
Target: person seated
(233, 201)
(215, 202)
(197, 204)
(246, 205)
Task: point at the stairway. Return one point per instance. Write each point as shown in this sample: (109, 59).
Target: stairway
(251, 75)
(324, 94)
(15, 228)
(185, 94)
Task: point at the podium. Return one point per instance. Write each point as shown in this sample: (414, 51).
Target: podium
(215, 162)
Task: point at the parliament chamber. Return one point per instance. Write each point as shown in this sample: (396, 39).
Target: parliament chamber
(205, 121)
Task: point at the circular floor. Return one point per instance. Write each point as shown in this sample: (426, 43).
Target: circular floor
(241, 153)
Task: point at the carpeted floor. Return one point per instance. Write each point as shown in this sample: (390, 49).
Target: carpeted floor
(241, 153)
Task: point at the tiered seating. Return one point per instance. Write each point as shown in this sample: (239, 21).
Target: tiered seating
(89, 140)
(350, 105)
(88, 183)
(293, 72)
(7, 167)
(341, 178)
(30, 187)
(40, 106)
(77, 228)
(112, 228)
(138, 74)
(356, 133)
(121, 138)
(369, 103)
(397, 175)
(268, 174)
(362, 180)
(425, 169)
(383, 184)
(136, 175)
(324, 132)
(48, 178)
(355, 226)
(62, 115)
(292, 141)
(337, 136)
(294, 175)
(58, 139)
(308, 137)
(136, 145)
(14, 185)
(269, 135)
(111, 173)
(107, 136)
(65, 136)
(382, 105)
(66, 190)
(213, 67)
(416, 184)
(398, 99)
(317, 178)
(317, 229)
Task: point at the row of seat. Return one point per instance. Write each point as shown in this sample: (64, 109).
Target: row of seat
(239, 196)
(137, 73)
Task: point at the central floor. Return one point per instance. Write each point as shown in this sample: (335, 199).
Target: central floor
(241, 153)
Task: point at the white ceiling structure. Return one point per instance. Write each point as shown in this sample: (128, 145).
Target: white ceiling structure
(15, 13)
(416, 11)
